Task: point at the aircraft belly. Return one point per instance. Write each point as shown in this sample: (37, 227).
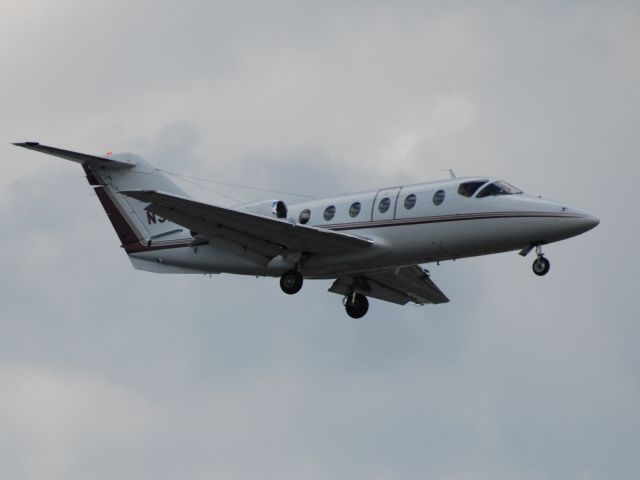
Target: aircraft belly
(547, 230)
(478, 237)
(429, 242)
(204, 258)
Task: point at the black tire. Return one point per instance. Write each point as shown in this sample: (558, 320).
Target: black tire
(291, 282)
(358, 307)
(541, 266)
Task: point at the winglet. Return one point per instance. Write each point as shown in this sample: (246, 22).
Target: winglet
(83, 158)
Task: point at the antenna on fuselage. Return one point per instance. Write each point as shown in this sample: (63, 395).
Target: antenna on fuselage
(451, 172)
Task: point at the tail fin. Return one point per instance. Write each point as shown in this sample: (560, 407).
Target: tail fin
(137, 229)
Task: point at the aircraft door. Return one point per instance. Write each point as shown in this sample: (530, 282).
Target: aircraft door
(385, 203)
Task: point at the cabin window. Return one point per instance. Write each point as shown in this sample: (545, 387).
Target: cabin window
(305, 215)
(384, 204)
(498, 188)
(410, 201)
(329, 212)
(467, 189)
(438, 197)
(354, 209)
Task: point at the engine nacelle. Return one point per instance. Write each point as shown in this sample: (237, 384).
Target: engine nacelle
(269, 208)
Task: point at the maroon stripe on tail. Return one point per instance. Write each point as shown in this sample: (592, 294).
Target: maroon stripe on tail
(131, 241)
(91, 177)
(125, 233)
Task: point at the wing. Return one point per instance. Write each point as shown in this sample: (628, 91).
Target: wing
(82, 158)
(267, 237)
(401, 286)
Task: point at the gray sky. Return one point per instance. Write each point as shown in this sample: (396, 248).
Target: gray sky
(108, 372)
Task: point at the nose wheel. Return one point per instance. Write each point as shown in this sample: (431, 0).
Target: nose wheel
(291, 282)
(356, 305)
(541, 265)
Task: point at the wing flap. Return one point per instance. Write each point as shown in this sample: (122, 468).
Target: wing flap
(83, 158)
(400, 286)
(267, 235)
(344, 286)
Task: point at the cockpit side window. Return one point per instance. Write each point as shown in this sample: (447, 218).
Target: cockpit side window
(498, 188)
(467, 189)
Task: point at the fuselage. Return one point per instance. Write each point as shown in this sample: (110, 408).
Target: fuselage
(411, 224)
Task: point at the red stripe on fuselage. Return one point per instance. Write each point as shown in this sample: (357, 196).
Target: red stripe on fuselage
(442, 218)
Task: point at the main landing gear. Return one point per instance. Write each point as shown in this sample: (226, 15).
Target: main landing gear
(540, 265)
(291, 282)
(356, 305)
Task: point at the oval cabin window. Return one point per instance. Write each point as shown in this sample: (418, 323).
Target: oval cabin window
(354, 209)
(438, 197)
(384, 204)
(305, 215)
(410, 201)
(329, 212)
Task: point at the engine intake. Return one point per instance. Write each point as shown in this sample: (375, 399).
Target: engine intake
(269, 208)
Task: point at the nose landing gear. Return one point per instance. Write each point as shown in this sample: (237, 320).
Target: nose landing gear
(541, 265)
(356, 305)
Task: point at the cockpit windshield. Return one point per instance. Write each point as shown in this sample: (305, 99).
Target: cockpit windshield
(498, 188)
(467, 189)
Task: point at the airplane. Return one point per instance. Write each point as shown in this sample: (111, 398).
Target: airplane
(371, 244)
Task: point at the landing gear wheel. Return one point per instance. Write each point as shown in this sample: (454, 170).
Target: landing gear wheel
(291, 282)
(541, 266)
(356, 305)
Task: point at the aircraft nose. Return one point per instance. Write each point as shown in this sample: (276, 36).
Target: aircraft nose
(557, 221)
(592, 221)
(584, 221)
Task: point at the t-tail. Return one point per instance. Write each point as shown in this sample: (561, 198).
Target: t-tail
(137, 229)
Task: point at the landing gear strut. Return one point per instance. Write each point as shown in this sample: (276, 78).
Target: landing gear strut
(291, 282)
(540, 265)
(356, 305)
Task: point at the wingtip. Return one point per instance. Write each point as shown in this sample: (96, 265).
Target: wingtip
(26, 144)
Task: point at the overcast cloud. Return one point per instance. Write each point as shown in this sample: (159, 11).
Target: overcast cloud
(108, 372)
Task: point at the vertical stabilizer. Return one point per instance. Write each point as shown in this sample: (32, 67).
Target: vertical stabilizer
(138, 229)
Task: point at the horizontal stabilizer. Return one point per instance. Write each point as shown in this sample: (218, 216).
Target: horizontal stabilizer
(83, 158)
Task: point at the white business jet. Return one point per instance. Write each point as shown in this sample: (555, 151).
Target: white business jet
(371, 243)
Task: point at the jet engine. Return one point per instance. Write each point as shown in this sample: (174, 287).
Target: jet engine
(269, 208)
